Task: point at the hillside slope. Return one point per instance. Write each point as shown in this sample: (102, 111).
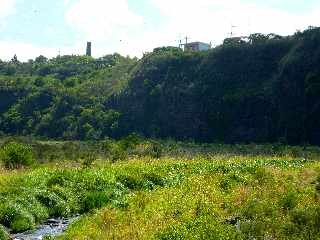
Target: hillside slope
(262, 90)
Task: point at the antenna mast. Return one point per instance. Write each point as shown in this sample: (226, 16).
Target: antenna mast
(232, 32)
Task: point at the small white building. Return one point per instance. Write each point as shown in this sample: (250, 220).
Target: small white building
(197, 46)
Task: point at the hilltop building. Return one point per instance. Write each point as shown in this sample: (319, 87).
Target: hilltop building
(197, 46)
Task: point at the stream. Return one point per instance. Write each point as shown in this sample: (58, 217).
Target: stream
(52, 227)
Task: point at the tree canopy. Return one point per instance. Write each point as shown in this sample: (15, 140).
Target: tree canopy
(261, 89)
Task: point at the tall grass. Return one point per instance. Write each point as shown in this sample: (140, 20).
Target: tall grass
(270, 199)
(147, 189)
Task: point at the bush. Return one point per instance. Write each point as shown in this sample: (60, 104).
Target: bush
(318, 184)
(304, 223)
(16, 155)
(154, 149)
(22, 221)
(16, 217)
(289, 201)
(94, 200)
(115, 151)
(229, 181)
(88, 159)
(57, 206)
(130, 142)
(131, 182)
(3, 234)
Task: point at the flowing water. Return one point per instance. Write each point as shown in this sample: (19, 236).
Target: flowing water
(52, 227)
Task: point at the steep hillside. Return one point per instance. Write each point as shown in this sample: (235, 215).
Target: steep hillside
(265, 89)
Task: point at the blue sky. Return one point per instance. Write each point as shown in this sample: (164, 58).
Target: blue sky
(29, 28)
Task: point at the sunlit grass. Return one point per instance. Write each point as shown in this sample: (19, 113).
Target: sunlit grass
(199, 206)
(196, 194)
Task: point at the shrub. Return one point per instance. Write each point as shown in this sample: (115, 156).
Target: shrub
(254, 229)
(57, 206)
(16, 155)
(3, 234)
(154, 178)
(22, 221)
(204, 227)
(318, 184)
(131, 182)
(88, 159)
(130, 142)
(154, 149)
(48, 237)
(304, 223)
(16, 217)
(116, 151)
(262, 175)
(229, 181)
(302, 217)
(94, 200)
(289, 201)
(7, 213)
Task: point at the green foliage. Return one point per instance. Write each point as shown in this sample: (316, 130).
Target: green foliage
(63, 97)
(16, 155)
(230, 180)
(88, 159)
(116, 151)
(198, 229)
(3, 234)
(255, 89)
(56, 205)
(289, 201)
(94, 200)
(304, 222)
(16, 217)
(318, 184)
(155, 149)
(48, 238)
(194, 191)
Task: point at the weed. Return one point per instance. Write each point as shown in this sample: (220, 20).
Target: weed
(16, 155)
(88, 159)
(56, 205)
(94, 200)
(230, 180)
(130, 182)
(115, 151)
(289, 201)
(186, 196)
(4, 235)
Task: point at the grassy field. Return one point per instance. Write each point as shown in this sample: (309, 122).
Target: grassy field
(167, 190)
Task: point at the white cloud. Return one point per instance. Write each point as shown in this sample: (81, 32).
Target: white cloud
(211, 20)
(26, 51)
(103, 19)
(113, 27)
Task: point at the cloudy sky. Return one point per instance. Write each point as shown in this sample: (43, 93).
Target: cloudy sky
(30, 28)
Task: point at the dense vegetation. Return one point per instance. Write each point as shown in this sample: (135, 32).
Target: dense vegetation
(265, 89)
(166, 190)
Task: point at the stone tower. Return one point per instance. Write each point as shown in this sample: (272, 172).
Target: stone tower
(88, 52)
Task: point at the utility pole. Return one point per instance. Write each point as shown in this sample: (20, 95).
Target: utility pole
(232, 32)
